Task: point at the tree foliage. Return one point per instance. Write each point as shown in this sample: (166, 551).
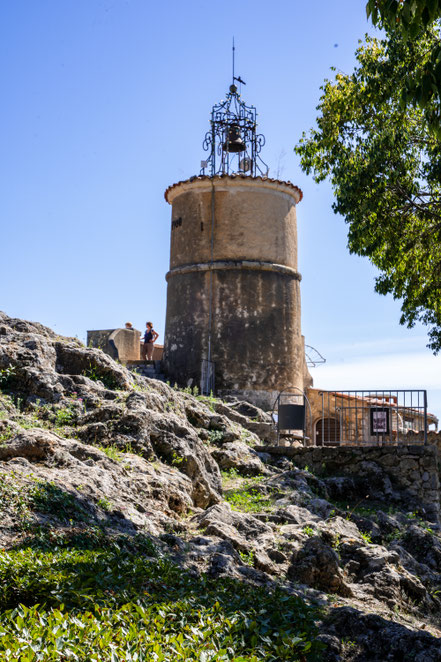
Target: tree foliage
(410, 18)
(385, 167)
(407, 15)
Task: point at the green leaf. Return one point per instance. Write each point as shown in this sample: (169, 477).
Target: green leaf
(383, 157)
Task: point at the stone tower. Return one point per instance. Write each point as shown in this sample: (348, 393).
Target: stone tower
(233, 296)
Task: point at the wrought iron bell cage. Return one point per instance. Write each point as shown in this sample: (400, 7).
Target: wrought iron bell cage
(233, 142)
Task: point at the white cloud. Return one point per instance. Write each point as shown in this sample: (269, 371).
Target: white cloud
(378, 346)
(405, 370)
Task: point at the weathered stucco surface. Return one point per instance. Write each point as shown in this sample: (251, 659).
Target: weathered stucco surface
(121, 344)
(252, 222)
(249, 292)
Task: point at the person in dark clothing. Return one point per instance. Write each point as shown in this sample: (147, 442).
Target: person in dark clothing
(149, 338)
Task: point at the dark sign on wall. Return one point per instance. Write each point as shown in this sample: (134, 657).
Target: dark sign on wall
(380, 420)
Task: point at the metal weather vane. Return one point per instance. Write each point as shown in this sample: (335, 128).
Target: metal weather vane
(233, 142)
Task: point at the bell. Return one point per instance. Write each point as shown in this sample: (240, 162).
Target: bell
(234, 142)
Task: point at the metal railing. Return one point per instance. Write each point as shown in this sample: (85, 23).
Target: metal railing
(371, 418)
(291, 415)
(207, 377)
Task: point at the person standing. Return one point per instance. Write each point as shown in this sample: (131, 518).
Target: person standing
(149, 338)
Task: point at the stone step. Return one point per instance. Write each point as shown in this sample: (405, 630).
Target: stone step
(150, 369)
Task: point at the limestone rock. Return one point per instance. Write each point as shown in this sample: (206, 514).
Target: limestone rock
(59, 370)
(297, 515)
(239, 456)
(316, 564)
(423, 546)
(376, 638)
(241, 529)
(127, 495)
(250, 417)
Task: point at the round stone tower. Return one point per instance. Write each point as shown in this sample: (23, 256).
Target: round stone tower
(233, 297)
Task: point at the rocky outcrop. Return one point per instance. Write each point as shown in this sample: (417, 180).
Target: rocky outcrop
(86, 445)
(351, 634)
(317, 564)
(126, 494)
(405, 474)
(244, 532)
(103, 403)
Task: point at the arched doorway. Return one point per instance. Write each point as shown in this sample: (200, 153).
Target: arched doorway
(327, 432)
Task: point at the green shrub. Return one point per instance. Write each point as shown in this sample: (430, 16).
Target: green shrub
(215, 437)
(309, 531)
(105, 504)
(230, 474)
(64, 416)
(247, 557)
(209, 400)
(176, 459)
(112, 451)
(7, 376)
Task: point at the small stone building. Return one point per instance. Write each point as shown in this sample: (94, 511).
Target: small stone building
(367, 418)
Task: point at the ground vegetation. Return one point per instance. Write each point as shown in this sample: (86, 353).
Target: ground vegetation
(129, 531)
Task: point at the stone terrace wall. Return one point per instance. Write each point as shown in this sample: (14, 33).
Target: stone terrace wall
(433, 438)
(121, 344)
(411, 470)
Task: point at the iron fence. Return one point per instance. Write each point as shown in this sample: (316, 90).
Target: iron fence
(371, 418)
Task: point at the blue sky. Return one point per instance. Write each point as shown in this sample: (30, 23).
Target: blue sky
(105, 103)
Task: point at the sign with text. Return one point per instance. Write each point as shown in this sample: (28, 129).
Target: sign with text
(380, 420)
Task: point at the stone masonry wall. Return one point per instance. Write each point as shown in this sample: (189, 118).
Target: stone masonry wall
(406, 473)
(433, 438)
(233, 293)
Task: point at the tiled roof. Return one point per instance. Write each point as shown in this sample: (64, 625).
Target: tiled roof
(200, 178)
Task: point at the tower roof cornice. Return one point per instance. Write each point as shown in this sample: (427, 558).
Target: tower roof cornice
(230, 181)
